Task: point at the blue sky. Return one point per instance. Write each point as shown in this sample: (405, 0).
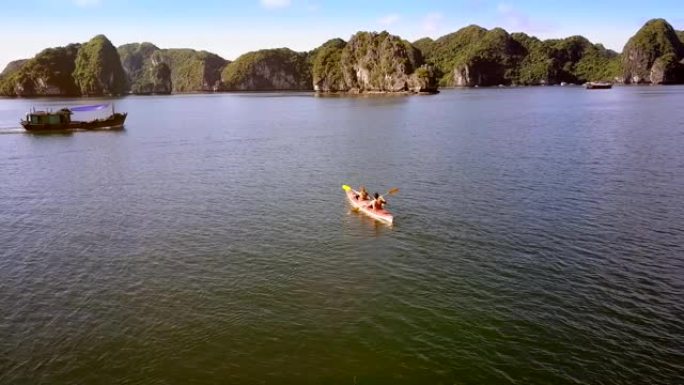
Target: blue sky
(230, 28)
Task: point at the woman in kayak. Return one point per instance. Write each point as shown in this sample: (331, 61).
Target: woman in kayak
(362, 195)
(378, 202)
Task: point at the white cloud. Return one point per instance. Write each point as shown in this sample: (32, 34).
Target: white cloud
(389, 19)
(86, 3)
(432, 22)
(312, 6)
(518, 21)
(275, 4)
(505, 8)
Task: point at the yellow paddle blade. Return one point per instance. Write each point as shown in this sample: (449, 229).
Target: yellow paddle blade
(393, 191)
(345, 187)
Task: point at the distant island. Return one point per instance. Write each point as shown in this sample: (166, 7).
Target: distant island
(369, 62)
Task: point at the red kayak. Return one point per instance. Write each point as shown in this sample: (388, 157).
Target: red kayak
(381, 215)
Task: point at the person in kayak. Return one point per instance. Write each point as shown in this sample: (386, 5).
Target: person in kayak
(362, 195)
(378, 202)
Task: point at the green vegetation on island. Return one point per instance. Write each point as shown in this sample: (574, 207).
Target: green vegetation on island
(13, 67)
(474, 56)
(368, 62)
(188, 70)
(193, 71)
(667, 69)
(98, 69)
(371, 62)
(136, 59)
(655, 43)
(49, 73)
(327, 69)
(268, 70)
(572, 60)
(491, 58)
(455, 54)
(425, 45)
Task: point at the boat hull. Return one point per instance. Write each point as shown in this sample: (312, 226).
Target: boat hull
(114, 121)
(363, 206)
(599, 86)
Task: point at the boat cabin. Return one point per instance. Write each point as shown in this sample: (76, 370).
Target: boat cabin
(62, 116)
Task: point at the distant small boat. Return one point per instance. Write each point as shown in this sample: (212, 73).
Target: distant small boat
(61, 119)
(598, 85)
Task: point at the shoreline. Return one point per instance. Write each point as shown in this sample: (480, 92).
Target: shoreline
(328, 94)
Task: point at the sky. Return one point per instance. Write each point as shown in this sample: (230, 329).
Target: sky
(231, 28)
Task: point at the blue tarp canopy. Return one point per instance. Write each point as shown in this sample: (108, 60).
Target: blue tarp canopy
(94, 107)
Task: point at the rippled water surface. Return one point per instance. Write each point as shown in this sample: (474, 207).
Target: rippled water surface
(539, 239)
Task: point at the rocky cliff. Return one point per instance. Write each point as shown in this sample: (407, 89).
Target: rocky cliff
(653, 55)
(667, 69)
(49, 73)
(13, 67)
(98, 69)
(193, 71)
(90, 69)
(474, 56)
(371, 62)
(268, 70)
(327, 71)
(572, 60)
(449, 51)
(490, 60)
(426, 46)
(368, 62)
(144, 74)
(153, 70)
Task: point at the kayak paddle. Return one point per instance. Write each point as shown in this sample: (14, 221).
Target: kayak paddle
(391, 191)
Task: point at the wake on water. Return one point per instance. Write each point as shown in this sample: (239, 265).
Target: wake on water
(11, 130)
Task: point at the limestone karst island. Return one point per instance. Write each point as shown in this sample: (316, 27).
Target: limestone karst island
(368, 62)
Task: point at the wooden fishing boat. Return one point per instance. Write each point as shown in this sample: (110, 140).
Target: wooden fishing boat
(47, 120)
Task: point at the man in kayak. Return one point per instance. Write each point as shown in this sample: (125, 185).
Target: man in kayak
(378, 202)
(362, 195)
